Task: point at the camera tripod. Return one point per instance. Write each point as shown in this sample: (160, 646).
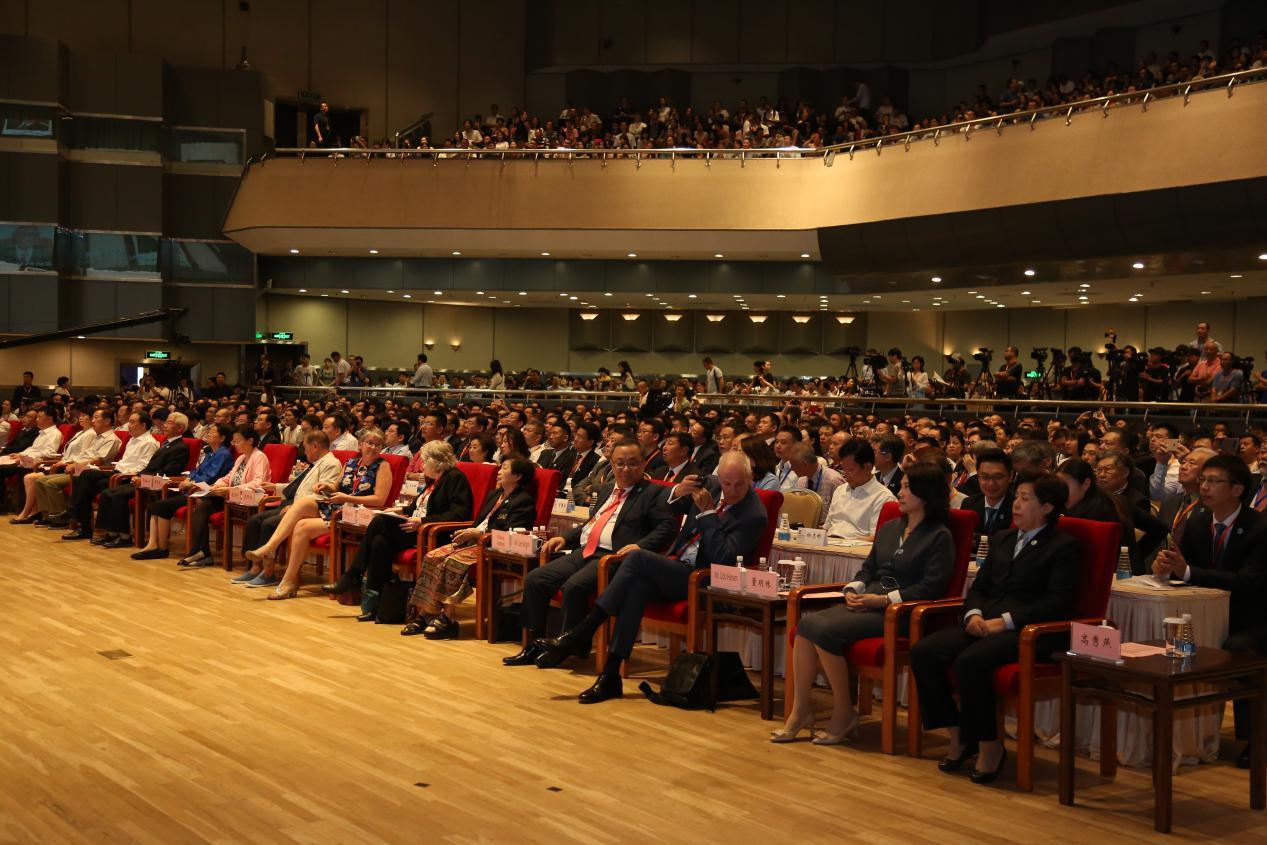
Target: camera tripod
(982, 386)
(1047, 384)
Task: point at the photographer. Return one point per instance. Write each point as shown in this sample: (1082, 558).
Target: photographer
(1130, 373)
(1080, 380)
(1155, 376)
(955, 378)
(1260, 385)
(1184, 387)
(1008, 379)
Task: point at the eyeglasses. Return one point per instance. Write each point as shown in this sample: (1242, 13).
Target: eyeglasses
(1208, 479)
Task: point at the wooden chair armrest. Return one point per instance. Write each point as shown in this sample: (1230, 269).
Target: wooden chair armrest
(604, 565)
(932, 610)
(893, 620)
(120, 477)
(265, 503)
(427, 532)
(1031, 633)
(818, 592)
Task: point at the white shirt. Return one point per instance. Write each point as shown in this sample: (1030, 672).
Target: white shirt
(423, 376)
(48, 444)
(341, 370)
(345, 442)
(1165, 480)
(713, 380)
(89, 446)
(605, 539)
(305, 376)
(399, 449)
(788, 479)
(137, 454)
(855, 511)
(534, 452)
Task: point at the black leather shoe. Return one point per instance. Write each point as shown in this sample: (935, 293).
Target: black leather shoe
(566, 644)
(76, 535)
(368, 617)
(349, 582)
(414, 628)
(606, 686)
(555, 658)
(954, 764)
(990, 777)
(1242, 761)
(23, 520)
(528, 654)
(103, 539)
(54, 523)
(150, 554)
(120, 542)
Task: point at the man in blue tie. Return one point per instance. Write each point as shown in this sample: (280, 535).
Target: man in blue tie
(993, 505)
(714, 532)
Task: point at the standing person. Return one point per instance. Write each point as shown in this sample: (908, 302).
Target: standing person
(918, 378)
(626, 377)
(27, 391)
(1007, 381)
(424, 376)
(304, 374)
(342, 369)
(496, 378)
(321, 132)
(714, 379)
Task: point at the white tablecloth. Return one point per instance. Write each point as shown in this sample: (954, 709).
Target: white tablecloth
(1138, 612)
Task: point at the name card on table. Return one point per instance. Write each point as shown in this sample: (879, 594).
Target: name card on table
(500, 541)
(346, 514)
(811, 536)
(250, 496)
(151, 482)
(725, 577)
(523, 544)
(1095, 641)
(764, 584)
(364, 516)
(410, 488)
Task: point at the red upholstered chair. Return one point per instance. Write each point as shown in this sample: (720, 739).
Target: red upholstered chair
(325, 546)
(882, 658)
(481, 477)
(683, 620)
(68, 431)
(1033, 677)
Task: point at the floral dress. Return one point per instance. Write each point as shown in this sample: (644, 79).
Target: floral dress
(357, 480)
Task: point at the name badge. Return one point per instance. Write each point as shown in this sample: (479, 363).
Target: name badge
(811, 536)
(725, 577)
(764, 584)
(500, 541)
(1095, 641)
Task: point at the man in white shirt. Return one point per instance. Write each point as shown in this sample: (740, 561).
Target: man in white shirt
(46, 447)
(423, 374)
(396, 438)
(855, 509)
(96, 446)
(305, 374)
(714, 380)
(812, 475)
(534, 435)
(342, 369)
(340, 440)
(91, 481)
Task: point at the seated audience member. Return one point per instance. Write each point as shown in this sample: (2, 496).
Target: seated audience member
(396, 436)
(676, 451)
(855, 508)
(583, 455)
(267, 425)
(481, 449)
(1037, 455)
(23, 433)
(628, 514)
(761, 457)
(92, 481)
(889, 450)
(1030, 575)
(784, 439)
(113, 512)
(1174, 509)
(714, 532)
(1113, 473)
(250, 469)
(366, 480)
(46, 446)
(510, 443)
(558, 453)
(1222, 548)
(213, 463)
(336, 428)
(704, 453)
(446, 497)
(93, 442)
(322, 467)
(443, 581)
(1087, 501)
(813, 475)
(993, 505)
(913, 559)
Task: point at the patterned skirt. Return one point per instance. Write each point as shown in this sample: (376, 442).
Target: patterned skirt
(445, 576)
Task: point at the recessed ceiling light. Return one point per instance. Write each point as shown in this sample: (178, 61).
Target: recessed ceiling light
(303, 290)
(1036, 301)
(1133, 299)
(971, 292)
(1203, 293)
(545, 255)
(373, 252)
(325, 294)
(294, 252)
(1262, 256)
(342, 291)
(804, 255)
(1138, 265)
(1084, 285)
(906, 302)
(391, 291)
(490, 296)
(876, 296)
(455, 252)
(1000, 305)
(563, 294)
(1024, 293)
(690, 296)
(80, 337)
(652, 295)
(718, 255)
(1236, 276)
(1030, 273)
(608, 293)
(937, 280)
(781, 296)
(523, 293)
(572, 299)
(632, 255)
(408, 296)
(438, 292)
(981, 296)
(1084, 298)
(431, 302)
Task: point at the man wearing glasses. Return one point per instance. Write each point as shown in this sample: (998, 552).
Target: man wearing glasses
(993, 505)
(629, 514)
(1222, 547)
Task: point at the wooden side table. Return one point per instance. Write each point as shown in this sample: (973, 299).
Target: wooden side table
(496, 567)
(757, 613)
(235, 514)
(347, 539)
(1237, 676)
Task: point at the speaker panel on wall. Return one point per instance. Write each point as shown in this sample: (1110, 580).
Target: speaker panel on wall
(592, 334)
(631, 331)
(758, 333)
(715, 335)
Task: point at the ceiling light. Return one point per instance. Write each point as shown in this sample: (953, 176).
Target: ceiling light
(589, 315)
(981, 296)
(876, 296)
(906, 302)
(782, 296)
(303, 290)
(672, 318)
(391, 291)
(505, 302)
(1083, 298)
(1084, 285)
(971, 292)
(545, 255)
(1235, 276)
(690, 296)
(1138, 265)
(572, 298)
(1262, 256)
(736, 296)
(718, 255)
(1133, 299)
(80, 337)
(632, 255)
(373, 252)
(1030, 273)
(757, 318)
(1036, 301)
(563, 294)
(491, 296)
(1203, 293)
(801, 318)
(455, 252)
(438, 292)
(523, 293)
(715, 318)
(325, 294)
(294, 252)
(804, 255)
(937, 280)
(627, 316)
(1024, 293)
(608, 293)
(999, 305)
(408, 296)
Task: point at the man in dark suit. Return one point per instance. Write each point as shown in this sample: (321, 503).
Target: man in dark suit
(676, 452)
(1222, 547)
(888, 455)
(1113, 474)
(266, 425)
(993, 505)
(583, 456)
(170, 460)
(712, 533)
(558, 454)
(650, 432)
(705, 453)
(21, 439)
(628, 515)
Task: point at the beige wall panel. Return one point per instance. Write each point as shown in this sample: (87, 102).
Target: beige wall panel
(525, 337)
(385, 334)
(914, 332)
(321, 322)
(422, 56)
(1250, 331)
(189, 32)
(81, 24)
(473, 328)
(93, 363)
(349, 56)
(1031, 327)
(1173, 323)
(276, 37)
(967, 331)
(1086, 327)
(491, 56)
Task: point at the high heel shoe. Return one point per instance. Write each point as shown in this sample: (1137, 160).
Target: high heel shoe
(786, 734)
(954, 764)
(256, 556)
(849, 733)
(983, 778)
(283, 592)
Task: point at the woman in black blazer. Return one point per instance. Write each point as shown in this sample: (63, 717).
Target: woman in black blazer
(443, 581)
(1030, 575)
(446, 497)
(912, 559)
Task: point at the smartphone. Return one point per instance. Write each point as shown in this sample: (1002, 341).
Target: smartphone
(1170, 443)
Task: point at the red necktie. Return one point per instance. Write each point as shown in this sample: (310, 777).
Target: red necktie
(576, 465)
(681, 547)
(1181, 520)
(596, 530)
(1220, 540)
(1260, 498)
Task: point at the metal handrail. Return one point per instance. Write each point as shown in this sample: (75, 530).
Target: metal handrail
(1226, 81)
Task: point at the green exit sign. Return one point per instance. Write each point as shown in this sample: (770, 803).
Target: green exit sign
(158, 355)
(282, 336)
(259, 335)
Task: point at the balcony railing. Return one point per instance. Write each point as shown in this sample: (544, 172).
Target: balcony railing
(1227, 82)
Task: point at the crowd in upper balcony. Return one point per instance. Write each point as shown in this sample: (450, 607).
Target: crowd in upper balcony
(859, 116)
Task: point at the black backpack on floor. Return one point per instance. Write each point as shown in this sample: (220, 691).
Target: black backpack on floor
(687, 683)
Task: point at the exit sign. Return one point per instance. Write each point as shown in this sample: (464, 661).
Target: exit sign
(282, 336)
(158, 355)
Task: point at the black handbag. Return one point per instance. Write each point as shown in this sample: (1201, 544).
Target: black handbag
(393, 601)
(687, 684)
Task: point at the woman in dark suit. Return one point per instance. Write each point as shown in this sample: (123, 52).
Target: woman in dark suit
(1030, 575)
(446, 497)
(912, 559)
(443, 581)
(1087, 500)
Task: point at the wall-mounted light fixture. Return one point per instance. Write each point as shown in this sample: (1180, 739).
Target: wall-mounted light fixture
(844, 319)
(800, 318)
(672, 318)
(589, 315)
(428, 343)
(455, 345)
(757, 318)
(630, 316)
(715, 318)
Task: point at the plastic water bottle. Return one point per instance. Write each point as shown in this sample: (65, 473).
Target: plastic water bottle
(568, 498)
(983, 550)
(785, 529)
(762, 565)
(743, 574)
(1187, 640)
(1124, 564)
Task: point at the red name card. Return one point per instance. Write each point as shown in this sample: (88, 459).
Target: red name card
(500, 541)
(725, 577)
(1095, 641)
(764, 584)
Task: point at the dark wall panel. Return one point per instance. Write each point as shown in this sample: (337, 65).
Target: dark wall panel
(677, 336)
(28, 303)
(30, 187)
(715, 337)
(799, 338)
(194, 206)
(632, 335)
(757, 338)
(115, 83)
(837, 336)
(30, 69)
(590, 335)
(112, 197)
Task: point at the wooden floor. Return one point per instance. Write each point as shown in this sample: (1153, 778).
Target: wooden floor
(236, 719)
